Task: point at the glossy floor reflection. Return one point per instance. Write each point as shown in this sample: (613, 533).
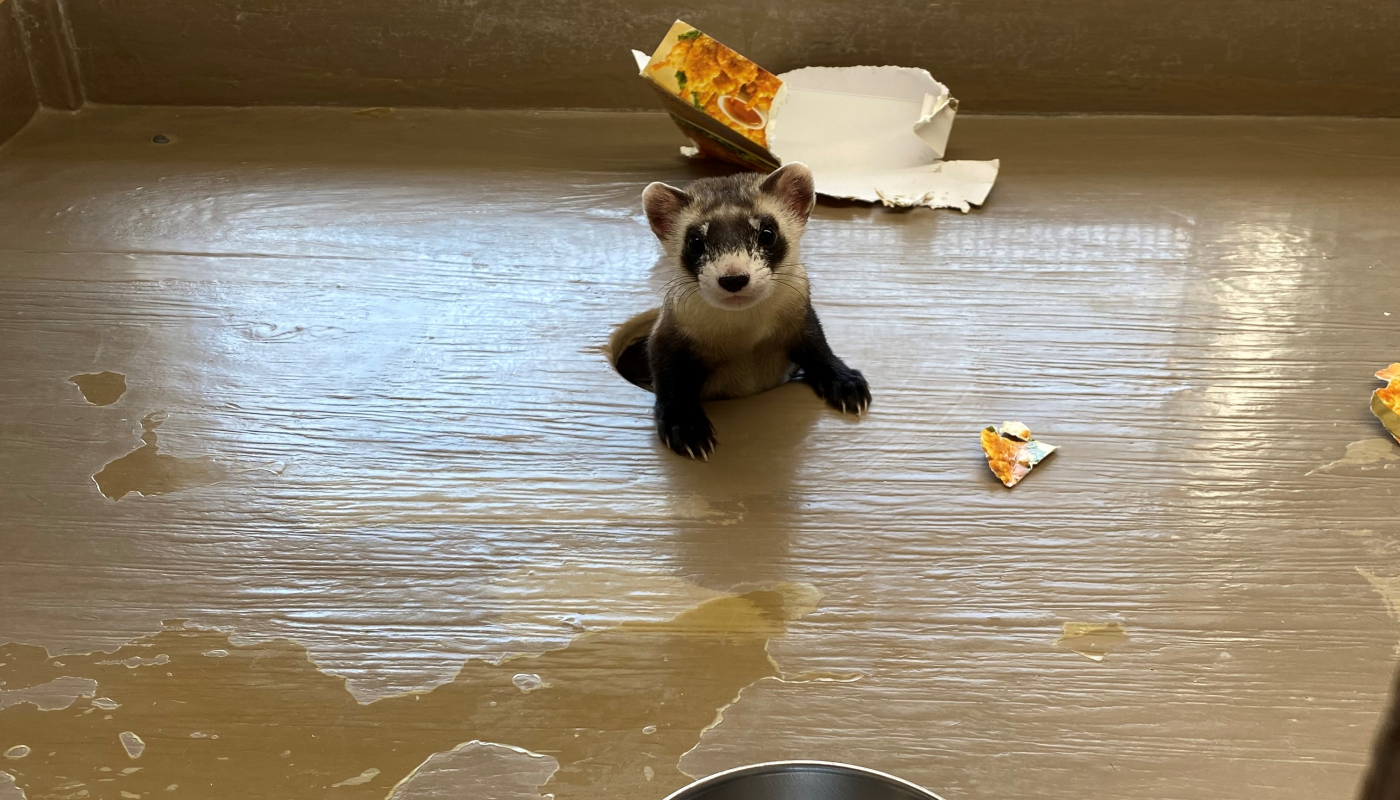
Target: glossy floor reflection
(379, 340)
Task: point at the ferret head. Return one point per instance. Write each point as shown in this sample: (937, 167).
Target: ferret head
(735, 236)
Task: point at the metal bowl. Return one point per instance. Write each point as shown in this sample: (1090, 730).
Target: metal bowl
(802, 780)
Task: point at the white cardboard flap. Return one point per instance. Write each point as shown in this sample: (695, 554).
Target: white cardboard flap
(863, 116)
(936, 122)
(942, 184)
(875, 134)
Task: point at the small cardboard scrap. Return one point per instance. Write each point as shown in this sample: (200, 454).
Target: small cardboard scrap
(875, 134)
(1385, 401)
(1011, 452)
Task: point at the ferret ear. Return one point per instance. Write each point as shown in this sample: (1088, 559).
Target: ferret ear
(793, 186)
(663, 204)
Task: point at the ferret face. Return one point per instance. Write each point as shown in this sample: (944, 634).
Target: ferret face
(733, 257)
(732, 238)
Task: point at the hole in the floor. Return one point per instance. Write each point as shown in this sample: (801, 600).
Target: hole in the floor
(627, 348)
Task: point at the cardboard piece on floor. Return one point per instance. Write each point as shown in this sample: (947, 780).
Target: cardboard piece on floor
(1385, 401)
(1012, 452)
(876, 134)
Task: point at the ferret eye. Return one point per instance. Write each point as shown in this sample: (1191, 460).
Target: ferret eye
(695, 244)
(767, 236)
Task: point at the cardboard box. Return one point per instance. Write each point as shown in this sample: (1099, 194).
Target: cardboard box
(876, 134)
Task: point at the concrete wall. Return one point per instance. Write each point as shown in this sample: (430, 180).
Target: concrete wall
(48, 42)
(999, 56)
(18, 101)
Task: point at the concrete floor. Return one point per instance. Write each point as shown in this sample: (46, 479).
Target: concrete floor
(391, 499)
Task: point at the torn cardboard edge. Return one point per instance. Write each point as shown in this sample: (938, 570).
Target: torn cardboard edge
(1012, 452)
(874, 134)
(1385, 401)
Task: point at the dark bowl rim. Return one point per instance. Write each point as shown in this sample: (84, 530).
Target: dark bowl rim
(767, 767)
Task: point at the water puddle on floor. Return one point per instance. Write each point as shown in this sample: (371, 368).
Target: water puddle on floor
(616, 709)
(100, 388)
(146, 471)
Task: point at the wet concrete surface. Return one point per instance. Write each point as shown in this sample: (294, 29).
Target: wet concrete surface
(407, 314)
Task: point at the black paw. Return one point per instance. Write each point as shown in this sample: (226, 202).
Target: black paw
(689, 435)
(844, 391)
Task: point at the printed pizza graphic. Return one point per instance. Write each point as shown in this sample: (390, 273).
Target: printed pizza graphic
(725, 85)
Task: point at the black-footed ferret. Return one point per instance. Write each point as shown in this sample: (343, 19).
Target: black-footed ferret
(737, 318)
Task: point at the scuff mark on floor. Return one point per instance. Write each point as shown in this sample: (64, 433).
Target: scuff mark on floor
(364, 777)
(477, 768)
(141, 661)
(55, 695)
(133, 744)
(808, 677)
(8, 789)
(696, 507)
(1389, 590)
(528, 682)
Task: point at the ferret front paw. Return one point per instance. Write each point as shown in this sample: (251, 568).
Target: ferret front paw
(688, 434)
(845, 391)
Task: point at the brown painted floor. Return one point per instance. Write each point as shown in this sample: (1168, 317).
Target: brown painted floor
(365, 401)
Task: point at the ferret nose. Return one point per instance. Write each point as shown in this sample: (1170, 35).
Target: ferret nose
(734, 283)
